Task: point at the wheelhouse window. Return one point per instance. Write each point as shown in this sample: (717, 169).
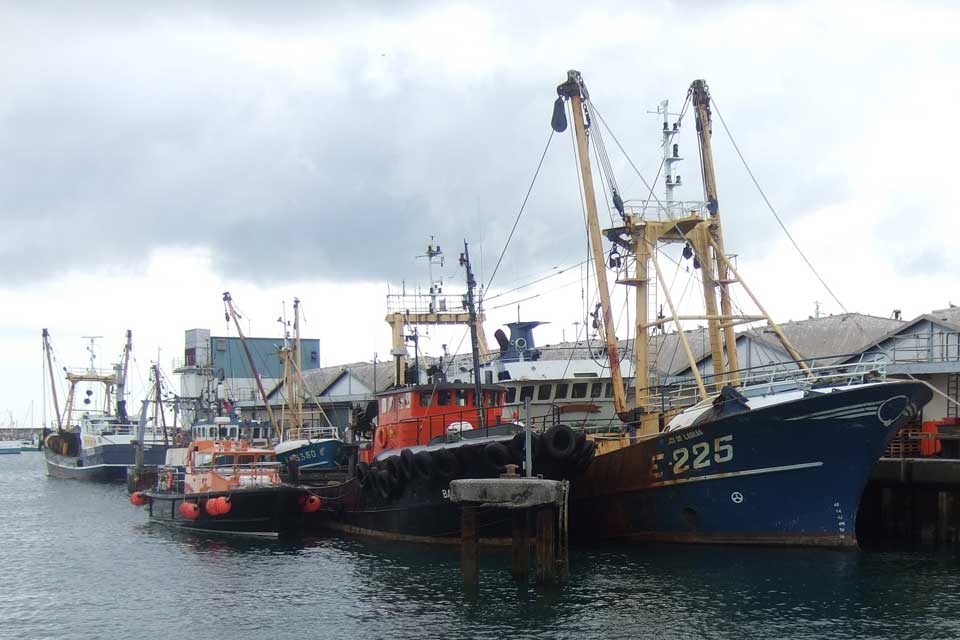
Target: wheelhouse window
(596, 389)
(443, 397)
(248, 459)
(511, 395)
(462, 396)
(562, 389)
(526, 393)
(426, 397)
(223, 460)
(543, 392)
(203, 459)
(579, 390)
(608, 390)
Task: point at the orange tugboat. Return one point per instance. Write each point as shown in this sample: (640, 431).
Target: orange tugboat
(227, 487)
(430, 434)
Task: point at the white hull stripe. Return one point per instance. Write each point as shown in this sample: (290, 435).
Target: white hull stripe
(96, 466)
(736, 474)
(843, 412)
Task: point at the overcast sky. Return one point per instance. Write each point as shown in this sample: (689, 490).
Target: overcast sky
(153, 155)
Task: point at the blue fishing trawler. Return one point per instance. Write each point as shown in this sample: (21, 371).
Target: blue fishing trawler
(768, 456)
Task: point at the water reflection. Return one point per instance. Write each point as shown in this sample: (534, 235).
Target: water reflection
(85, 563)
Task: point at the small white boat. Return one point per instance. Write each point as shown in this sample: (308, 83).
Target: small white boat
(9, 446)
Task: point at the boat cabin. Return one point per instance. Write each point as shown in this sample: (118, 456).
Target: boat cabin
(416, 415)
(224, 465)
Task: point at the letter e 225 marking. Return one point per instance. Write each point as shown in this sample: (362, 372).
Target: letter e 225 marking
(698, 455)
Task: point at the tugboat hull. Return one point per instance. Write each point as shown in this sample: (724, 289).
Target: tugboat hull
(265, 511)
(787, 474)
(414, 508)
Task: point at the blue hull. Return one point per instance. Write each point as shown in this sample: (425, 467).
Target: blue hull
(792, 473)
(315, 455)
(106, 463)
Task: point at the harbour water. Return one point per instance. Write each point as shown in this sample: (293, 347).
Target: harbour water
(78, 561)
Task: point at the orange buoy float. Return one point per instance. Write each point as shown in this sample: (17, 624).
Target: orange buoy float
(212, 506)
(224, 504)
(190, 510)
(312, 504)
(139, 498)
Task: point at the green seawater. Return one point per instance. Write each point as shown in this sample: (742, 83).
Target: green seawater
(78, 561)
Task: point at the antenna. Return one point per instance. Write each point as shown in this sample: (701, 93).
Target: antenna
(434, 256)
(671, 155)
(92, 350)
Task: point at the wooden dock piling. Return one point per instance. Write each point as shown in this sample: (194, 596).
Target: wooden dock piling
(544, 499)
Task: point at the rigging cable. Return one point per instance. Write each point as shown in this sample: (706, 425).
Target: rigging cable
(875, 342)
(519, 214)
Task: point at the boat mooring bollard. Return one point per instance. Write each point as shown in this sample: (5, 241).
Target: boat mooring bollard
(545, 499)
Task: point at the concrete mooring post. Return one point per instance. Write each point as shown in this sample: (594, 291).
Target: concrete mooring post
(545, 499)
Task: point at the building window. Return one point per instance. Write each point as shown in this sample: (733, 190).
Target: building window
(543, 392)
(579, 390)
(561, 391)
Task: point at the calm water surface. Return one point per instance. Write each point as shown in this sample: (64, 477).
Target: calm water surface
(78, 561)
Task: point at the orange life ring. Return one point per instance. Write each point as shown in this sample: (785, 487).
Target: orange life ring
(381, 437)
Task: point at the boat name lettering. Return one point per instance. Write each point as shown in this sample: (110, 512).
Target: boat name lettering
(446, 494)
(684, 436)
(699, 456)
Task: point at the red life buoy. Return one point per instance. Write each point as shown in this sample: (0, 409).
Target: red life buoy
(381, 437)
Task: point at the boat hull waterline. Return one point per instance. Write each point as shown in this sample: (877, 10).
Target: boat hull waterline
(261, 512)
(787, 474)
(106, 463)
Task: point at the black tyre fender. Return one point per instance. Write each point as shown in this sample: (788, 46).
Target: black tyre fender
(498, 454)
(385, 484)
(559, 442)
(394, 468)
(519, 442)
(362, 473)
(447, 465)
(406, 465)
(423, 465)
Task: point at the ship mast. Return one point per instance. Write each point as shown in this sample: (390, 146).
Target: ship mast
(53, 386)
(642, 235)
(708, 243)
(474, 339)
(232, 313)
(574, 89)
(122, 377)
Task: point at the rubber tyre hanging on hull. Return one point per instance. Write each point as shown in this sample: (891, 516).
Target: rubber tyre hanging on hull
(446, 464)
(498, 455)
(407, 464)
(362, 473)
(392, 466)
(559, 442)
(519, 442)
(423, 465)
(385, 483)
